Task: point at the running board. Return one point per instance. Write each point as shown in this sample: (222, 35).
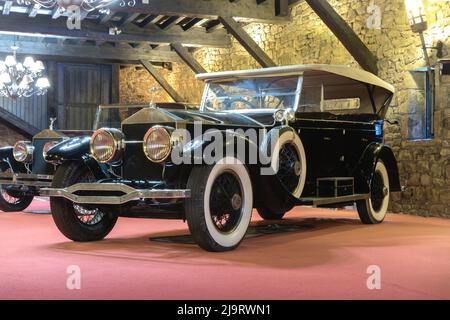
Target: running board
(322, 201)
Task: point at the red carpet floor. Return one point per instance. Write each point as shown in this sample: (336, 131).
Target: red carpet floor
(314, 254)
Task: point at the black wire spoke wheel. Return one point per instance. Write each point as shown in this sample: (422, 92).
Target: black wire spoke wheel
(13, 200)
(7, 197)
(226, 202)
(378, 192)
(88, 216)
(289, 167)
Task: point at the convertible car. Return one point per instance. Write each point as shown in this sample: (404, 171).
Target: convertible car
(23, 169)
(316, 131)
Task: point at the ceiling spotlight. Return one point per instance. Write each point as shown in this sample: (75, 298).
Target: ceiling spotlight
(114, 31)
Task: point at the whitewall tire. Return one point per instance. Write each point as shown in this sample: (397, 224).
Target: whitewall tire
(374, 209)
(220, 208)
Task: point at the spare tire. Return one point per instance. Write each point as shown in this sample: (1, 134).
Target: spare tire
(288, 159)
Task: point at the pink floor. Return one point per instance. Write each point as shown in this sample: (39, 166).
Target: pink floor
(323, 254)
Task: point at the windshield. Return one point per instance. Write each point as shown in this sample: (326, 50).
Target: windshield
(252, 94)
(112, 116)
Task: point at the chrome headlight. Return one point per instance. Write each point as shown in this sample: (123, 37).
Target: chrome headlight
(48, 146)
(23, 151)
(107, 145)
(157, 144)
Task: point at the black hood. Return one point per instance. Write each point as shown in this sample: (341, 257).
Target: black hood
(69, 149)
(237, 118)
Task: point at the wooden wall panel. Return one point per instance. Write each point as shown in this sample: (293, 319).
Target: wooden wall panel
(32, 110)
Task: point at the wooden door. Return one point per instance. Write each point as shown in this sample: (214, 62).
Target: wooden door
(81, 88)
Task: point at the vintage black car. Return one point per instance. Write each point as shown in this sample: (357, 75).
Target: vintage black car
(321, 125)
(24, 170)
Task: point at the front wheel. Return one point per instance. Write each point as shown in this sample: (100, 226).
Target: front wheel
(76, 222)
(12, 201)
(220, 208)
(373, 210)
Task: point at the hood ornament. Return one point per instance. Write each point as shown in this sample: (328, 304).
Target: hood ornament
(52, 123)
(154, 91)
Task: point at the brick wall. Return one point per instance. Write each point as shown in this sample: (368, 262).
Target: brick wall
(8, 136)
(424, 165)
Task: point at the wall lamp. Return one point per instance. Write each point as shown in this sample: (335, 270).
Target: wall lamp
(418, 22)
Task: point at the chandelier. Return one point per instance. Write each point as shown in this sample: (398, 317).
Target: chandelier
(86, 5)
(19, 79)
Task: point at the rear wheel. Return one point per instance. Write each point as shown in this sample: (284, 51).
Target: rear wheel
(13, 202)
(373, 210)
(220, 208)
(77, 222)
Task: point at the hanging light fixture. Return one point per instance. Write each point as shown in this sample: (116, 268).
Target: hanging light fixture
(19, 79)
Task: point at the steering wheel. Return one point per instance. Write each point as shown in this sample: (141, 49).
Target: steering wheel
(271, 83)
(229, 102)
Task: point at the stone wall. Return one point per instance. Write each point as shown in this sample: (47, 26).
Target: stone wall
(424, 165)
(136, 82)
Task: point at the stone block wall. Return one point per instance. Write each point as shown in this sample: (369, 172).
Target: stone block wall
(424, 165)
(136, 82)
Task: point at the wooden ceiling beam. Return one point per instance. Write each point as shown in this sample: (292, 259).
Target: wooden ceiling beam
(147, 20)
(127, 18)
(187, 57)
(70, 50)
(248, 10)
(45, 27)
(166, 24)
(345, 34)
(22, 126)
(162, 82)
(247, 42)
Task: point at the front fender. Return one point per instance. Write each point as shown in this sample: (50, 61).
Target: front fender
(7, 160)
(71, 149)
(366, 167)
(77, 149)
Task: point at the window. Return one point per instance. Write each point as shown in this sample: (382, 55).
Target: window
(252, 93)
(341, 104)
(420, 108)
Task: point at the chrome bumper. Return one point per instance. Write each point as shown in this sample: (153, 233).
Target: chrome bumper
(129, 193)
(25, 179)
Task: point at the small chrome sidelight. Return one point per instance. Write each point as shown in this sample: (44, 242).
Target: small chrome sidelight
(23, 151)
(107, 145)
(284, 115)
(47, 148)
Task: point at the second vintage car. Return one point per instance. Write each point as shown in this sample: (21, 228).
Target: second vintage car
(23, 169)
(321, 127)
